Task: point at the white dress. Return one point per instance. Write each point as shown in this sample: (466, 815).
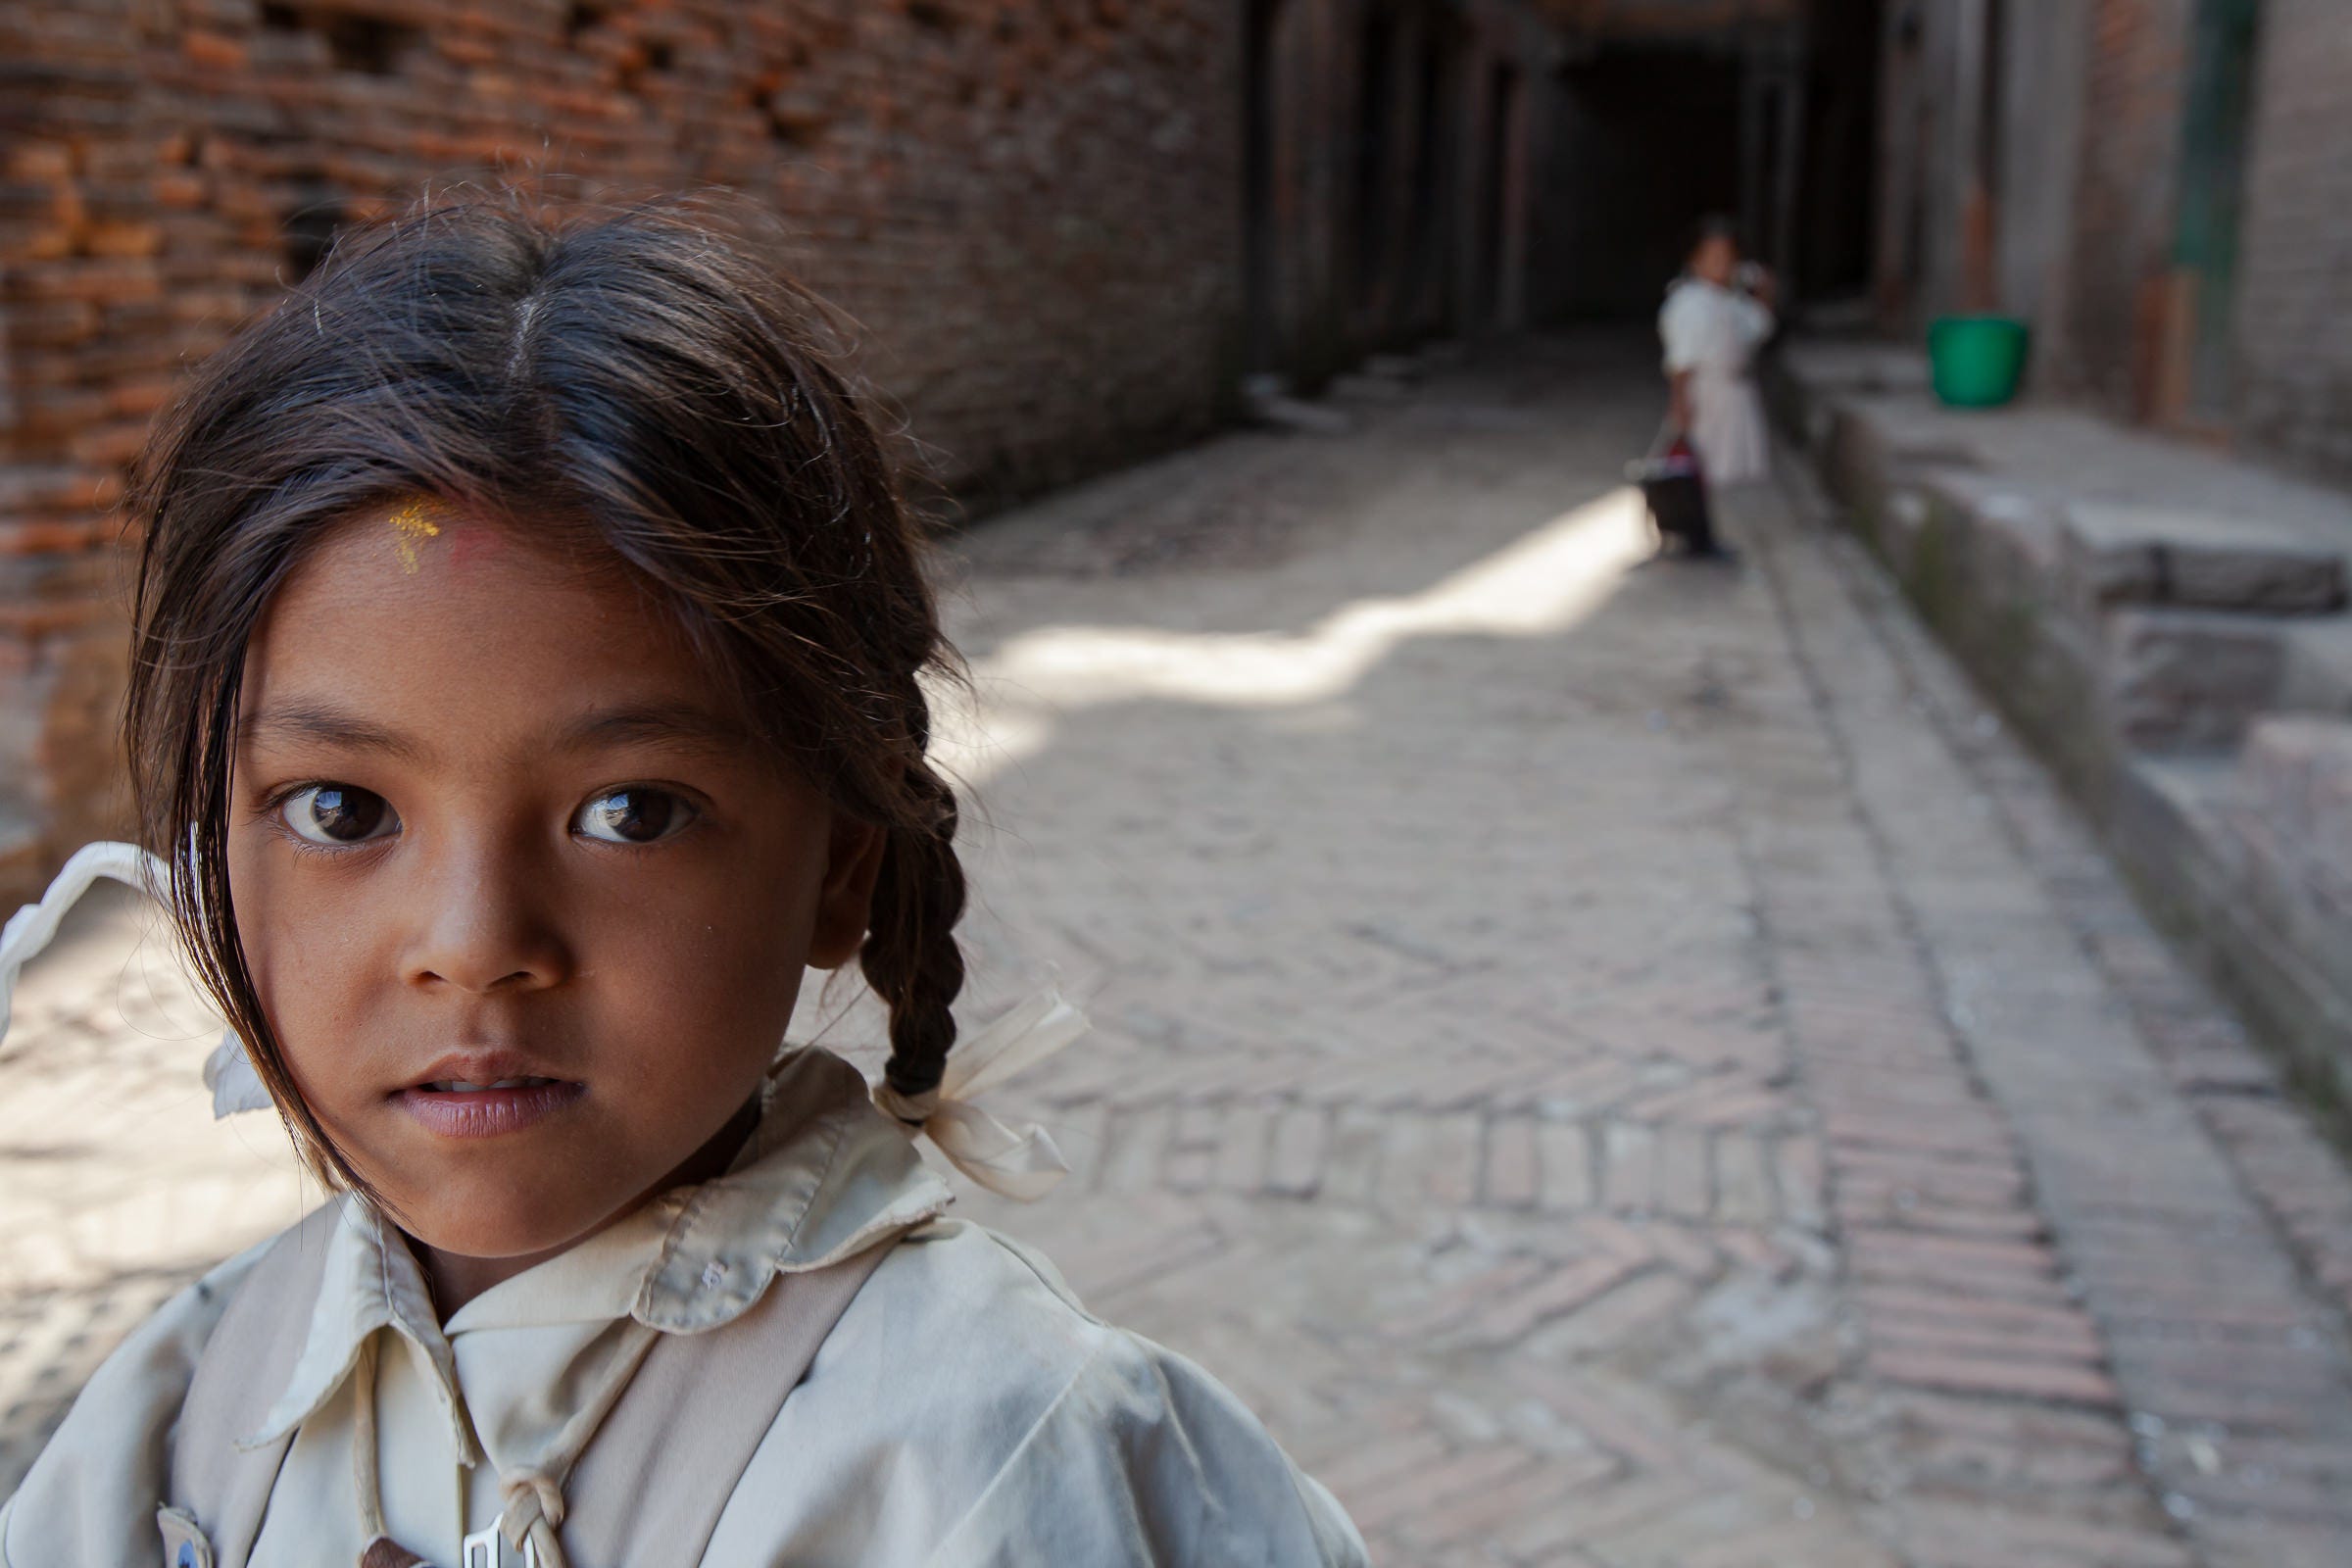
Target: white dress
(1713, 333)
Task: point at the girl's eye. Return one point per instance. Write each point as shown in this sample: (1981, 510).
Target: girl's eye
(632, 816)
(339, 813)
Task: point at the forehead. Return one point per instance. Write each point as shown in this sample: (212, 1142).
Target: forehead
(427, 619)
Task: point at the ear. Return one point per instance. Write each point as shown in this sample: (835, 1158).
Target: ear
(846, 899)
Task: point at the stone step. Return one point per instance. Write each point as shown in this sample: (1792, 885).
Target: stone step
(2294, 807)
(1828, 366)
(2317, 676)
(2119, 553)
(2193, 622)
(2187, 680)
(2248, 856)
(2167, 625)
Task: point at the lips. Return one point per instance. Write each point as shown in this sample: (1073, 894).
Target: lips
(486, 1094)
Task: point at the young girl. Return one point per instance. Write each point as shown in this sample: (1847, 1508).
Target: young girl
(529, 648)
(1712, 325)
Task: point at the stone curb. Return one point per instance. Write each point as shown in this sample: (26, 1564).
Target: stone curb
(2146, 650)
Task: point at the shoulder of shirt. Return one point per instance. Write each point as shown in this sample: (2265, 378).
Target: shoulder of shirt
(156, 1359)
(957, 1291)
(997, 1342)
(986, 1337)
(197, 1310)
(125, 1410)
(999, 1351)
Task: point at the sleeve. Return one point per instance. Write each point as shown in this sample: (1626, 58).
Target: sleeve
(91, 1495)
(1146, 1461)
(1755, 324)
(1683, 330)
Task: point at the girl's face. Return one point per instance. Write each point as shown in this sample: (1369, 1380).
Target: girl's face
(526, 904)
(1715, 259)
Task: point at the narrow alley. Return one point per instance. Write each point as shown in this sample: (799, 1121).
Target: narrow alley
(1623, 1065)
(1839, 1058)
(1627, 1063)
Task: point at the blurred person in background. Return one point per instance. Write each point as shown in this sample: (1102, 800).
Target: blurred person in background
(1717, 315)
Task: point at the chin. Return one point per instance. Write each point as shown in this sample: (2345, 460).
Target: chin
(496, 1220)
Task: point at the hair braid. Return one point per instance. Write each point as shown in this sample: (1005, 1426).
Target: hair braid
(910, 957)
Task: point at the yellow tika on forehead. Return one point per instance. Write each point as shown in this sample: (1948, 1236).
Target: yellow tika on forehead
(412, 525)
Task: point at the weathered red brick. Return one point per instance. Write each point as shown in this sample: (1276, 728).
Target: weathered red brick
(2068, 1382)
(215, 50)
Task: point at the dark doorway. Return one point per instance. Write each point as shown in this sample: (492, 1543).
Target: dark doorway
(1644, 142)
(1429, 274)
(1375, 157)
(1494, 195)
(1837, 199)
(1261, 346)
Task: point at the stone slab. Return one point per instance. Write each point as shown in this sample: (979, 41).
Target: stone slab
(2298, 773)
(2170, 826)
(2319, 666)
(2189, 679)
(2118, 552)
(1856, 366)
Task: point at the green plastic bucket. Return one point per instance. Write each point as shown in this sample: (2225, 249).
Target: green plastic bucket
(1977, 360)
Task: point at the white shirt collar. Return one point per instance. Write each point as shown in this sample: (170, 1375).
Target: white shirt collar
(824, 1175)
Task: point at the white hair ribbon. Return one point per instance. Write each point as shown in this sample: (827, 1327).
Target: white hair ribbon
(1021, 1164)
(228, 1072)
(35, 926)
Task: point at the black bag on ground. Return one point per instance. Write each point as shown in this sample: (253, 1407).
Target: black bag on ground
(1677, 494)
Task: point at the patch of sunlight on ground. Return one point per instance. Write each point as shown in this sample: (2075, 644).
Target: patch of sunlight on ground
(1539, 585)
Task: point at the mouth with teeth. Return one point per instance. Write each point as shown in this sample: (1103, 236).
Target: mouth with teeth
(491, 1103)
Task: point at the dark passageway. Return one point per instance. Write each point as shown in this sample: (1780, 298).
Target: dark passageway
(1645, 134)
(1645, 141)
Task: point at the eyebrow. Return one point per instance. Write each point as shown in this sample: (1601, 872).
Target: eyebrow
(682, 728)
(685, 728)
(331, 726)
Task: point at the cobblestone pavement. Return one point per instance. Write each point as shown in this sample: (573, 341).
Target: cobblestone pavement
(1624, 1066)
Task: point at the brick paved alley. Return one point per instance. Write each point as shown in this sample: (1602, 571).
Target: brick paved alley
(1624, 1066)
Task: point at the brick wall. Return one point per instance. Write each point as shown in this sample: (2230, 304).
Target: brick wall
(1030, 207)
(1034, 208)
(2294, 327)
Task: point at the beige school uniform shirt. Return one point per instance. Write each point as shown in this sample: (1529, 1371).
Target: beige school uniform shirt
(966, 1410)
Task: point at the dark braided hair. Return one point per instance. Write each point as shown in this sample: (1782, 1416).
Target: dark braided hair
(910, 960)
(640, 382)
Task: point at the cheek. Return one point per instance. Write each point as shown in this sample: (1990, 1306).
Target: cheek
(700, 959)
(306, 944)
(269, 917)
(717, 961)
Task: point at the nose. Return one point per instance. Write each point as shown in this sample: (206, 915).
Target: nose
(484, 923)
